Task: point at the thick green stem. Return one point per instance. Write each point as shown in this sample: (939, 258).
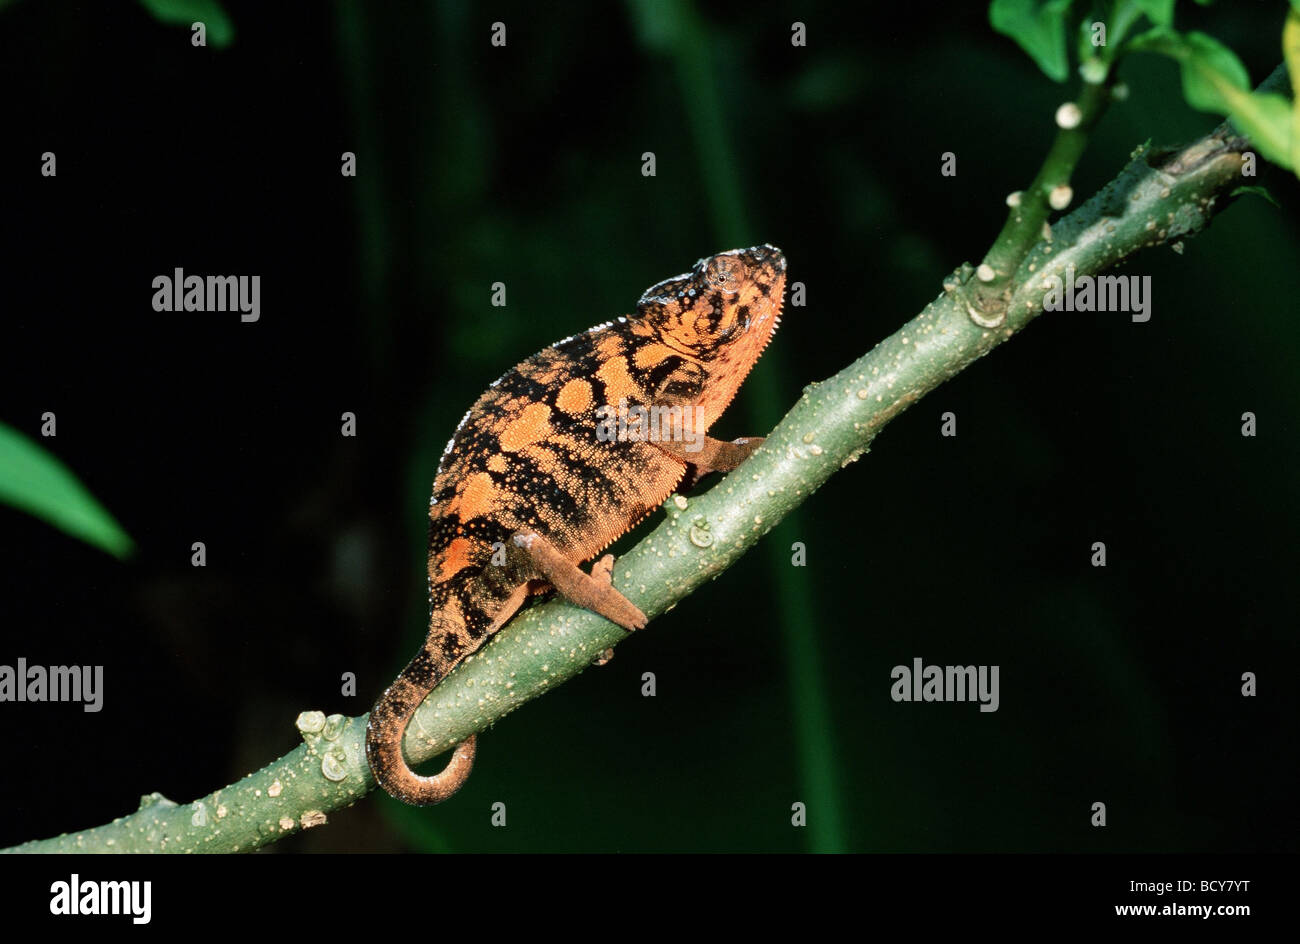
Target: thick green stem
(1029, 209)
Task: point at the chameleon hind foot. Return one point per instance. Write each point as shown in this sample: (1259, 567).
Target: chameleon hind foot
(592, 591)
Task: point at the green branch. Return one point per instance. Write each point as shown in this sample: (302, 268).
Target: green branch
(833, 424)
(1050, 191)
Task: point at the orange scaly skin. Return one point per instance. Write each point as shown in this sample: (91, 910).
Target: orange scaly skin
(530, 479)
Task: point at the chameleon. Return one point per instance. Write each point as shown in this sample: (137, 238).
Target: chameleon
(537, 479)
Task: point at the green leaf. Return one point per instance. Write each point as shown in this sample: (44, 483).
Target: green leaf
(1258, 191)
(1265, 118)
(1039, 28)
(1215, 80)
(1291, 52)
(1209, 68)
(1159, 12)
(1118, 19)
(35, 481)
(220, 30)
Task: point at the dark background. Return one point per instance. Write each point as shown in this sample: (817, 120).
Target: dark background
(522, 165)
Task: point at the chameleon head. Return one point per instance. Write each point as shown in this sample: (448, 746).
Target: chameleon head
(720, 315)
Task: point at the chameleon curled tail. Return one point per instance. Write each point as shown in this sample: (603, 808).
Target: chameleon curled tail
(387, 725)
(449, 642)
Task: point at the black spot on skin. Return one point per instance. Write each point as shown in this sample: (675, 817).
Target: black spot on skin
(538, 490)
(599, 392)
(520, 385)
(681, 388)
(442, 529)
(674, 378)
(578, 346)
(468, 593)
(593, 488)
(661, 372)
(422, 668)
(471, 440)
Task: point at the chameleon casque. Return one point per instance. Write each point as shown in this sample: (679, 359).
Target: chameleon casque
(529, 487)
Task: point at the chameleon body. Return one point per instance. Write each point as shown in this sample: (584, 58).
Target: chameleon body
(531, 484)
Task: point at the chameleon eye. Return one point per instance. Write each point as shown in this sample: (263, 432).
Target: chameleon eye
(725, 272)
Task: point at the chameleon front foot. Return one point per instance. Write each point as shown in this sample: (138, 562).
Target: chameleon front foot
(712, 455)
(603, 571)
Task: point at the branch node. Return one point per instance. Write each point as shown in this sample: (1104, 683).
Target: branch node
(1069, 116)
(155, 799)
(993, 320)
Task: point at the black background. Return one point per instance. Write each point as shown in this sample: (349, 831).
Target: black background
(522, 165)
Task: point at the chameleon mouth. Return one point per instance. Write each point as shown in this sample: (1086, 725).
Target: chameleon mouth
(777, 306)
(761, 329)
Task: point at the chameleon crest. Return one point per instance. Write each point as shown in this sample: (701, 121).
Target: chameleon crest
(559, 458)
